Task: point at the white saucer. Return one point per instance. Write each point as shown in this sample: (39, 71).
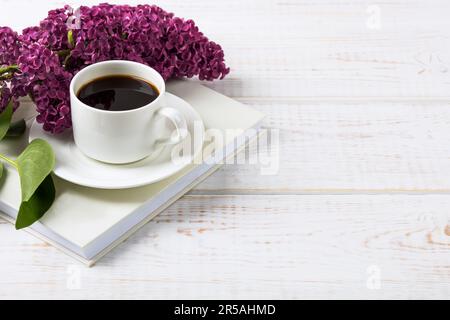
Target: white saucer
(72, 165)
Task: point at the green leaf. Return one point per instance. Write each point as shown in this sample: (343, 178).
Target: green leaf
(5, 119)
(16, 129)
(34, 164)
(1, 169)
(41, 200)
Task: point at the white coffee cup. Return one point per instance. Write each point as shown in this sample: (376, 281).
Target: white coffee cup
(123, 136)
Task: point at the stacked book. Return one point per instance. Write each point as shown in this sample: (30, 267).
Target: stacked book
(87, 222)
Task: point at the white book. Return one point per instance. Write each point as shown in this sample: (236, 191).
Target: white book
(87, 223)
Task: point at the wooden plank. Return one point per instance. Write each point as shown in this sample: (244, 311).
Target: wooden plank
(312, 49)
(352, 147)
(285, 56)
(255, 247)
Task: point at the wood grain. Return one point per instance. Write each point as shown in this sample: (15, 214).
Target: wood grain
(288, 49)
(345, 148)
(256, 247)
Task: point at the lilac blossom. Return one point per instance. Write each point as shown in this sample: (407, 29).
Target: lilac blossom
(9, 46)
(47, 82)
(48, 55)
(9, 51)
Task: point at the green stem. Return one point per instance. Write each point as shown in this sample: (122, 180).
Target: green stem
(70, 39)
(9, 69)
(8, 160)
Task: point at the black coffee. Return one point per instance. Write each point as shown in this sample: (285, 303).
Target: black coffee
(117, 93)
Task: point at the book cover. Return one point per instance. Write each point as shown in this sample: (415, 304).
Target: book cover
(87, 223)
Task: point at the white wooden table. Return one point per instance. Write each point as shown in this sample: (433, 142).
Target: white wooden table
(360, 206)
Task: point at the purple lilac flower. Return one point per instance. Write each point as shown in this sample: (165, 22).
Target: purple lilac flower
(43, 77)
(52, 31)
(9, 46)
(9, 51)
(145, 33)
(5, 97)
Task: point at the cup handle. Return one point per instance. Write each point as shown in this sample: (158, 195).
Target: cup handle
(179, 123)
